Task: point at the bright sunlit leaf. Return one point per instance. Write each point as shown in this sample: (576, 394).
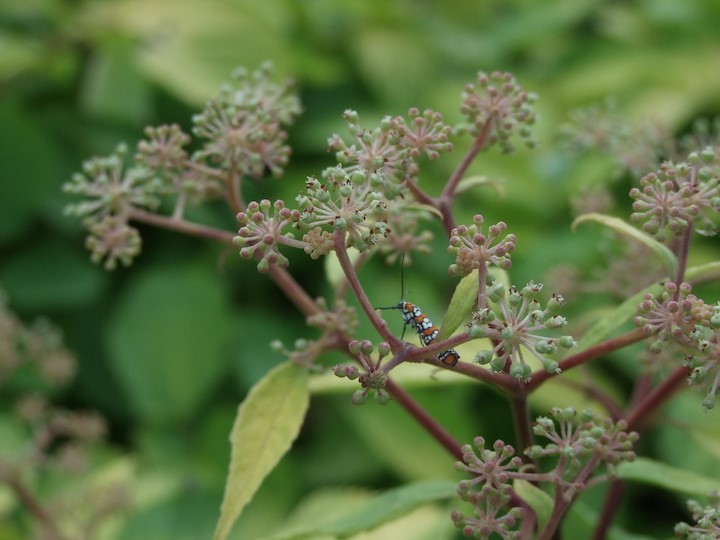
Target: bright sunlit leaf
(267, 423)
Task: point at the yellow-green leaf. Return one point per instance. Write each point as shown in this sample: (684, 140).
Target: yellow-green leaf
(267, 423)
(464, 300)
(537, 499)
(466, 184)
(703, 273)
(616, 318)
(665, 256)
(621, 314)
(661, 475)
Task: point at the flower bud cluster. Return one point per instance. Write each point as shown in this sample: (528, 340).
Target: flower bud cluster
(683, 319)
(349, 201)
(473, 249)
(705, 360)
(672, 316)
(39, 344)
(243, 125)
(57, 440)
(497, 104)
(706, 518)
(261, 230)
(489, 490)
(511, 323)
(394, 147)
(679, 194)
(577, 438)
(342, 318)
(373, 378)
(163, 153)
(111, 191)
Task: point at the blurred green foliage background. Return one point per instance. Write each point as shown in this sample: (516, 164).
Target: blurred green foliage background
(167, 348)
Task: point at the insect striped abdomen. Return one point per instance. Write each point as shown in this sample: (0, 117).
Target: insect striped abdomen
(427, 331)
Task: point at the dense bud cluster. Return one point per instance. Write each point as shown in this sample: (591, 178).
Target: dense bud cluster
(261, 230)
(473, 249)
(679, 194)
(497, 104)
(511, 323)
(394, 147)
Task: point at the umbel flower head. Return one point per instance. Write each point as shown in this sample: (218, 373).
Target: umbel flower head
(354, 202)
(706, 518)
(394, 147)
(512, 325)
(497, 104)
(262, 230)
(111, 188)
(489, 491)
(679, 194)
(473, 249)
(576, 437)
(243, 125)
(112, 191)
(680, 317)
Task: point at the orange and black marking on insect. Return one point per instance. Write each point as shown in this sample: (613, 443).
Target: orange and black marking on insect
(414, 316)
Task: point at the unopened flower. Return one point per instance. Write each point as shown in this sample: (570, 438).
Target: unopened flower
(512, 325)
(111, 189)
(394, 146)
(113, 241)
(353, 202)
(473, 249)
(488, 490)
(261, 230)
(243, 125)
(677, 195)
(672, 316)
(498, 104)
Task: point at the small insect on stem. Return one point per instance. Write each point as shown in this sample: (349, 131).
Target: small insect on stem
(414, 316)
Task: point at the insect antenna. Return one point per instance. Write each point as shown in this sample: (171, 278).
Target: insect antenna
(399, 305)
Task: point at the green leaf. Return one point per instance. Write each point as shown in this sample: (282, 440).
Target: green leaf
(207, 42)
(464, 300)
(665, 256)
(32, 170)
(653, 472)
(625, 311)
(168, 341)
(380, 509)
(113, 88)
(703, 273)
(267, 422)
(538, 500)
(616, 318)
(462, 303)
(466, 184)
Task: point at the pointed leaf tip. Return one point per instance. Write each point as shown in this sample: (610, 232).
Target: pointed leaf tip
(267, 423)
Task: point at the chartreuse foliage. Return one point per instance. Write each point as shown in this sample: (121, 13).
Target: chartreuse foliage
(166, 348)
